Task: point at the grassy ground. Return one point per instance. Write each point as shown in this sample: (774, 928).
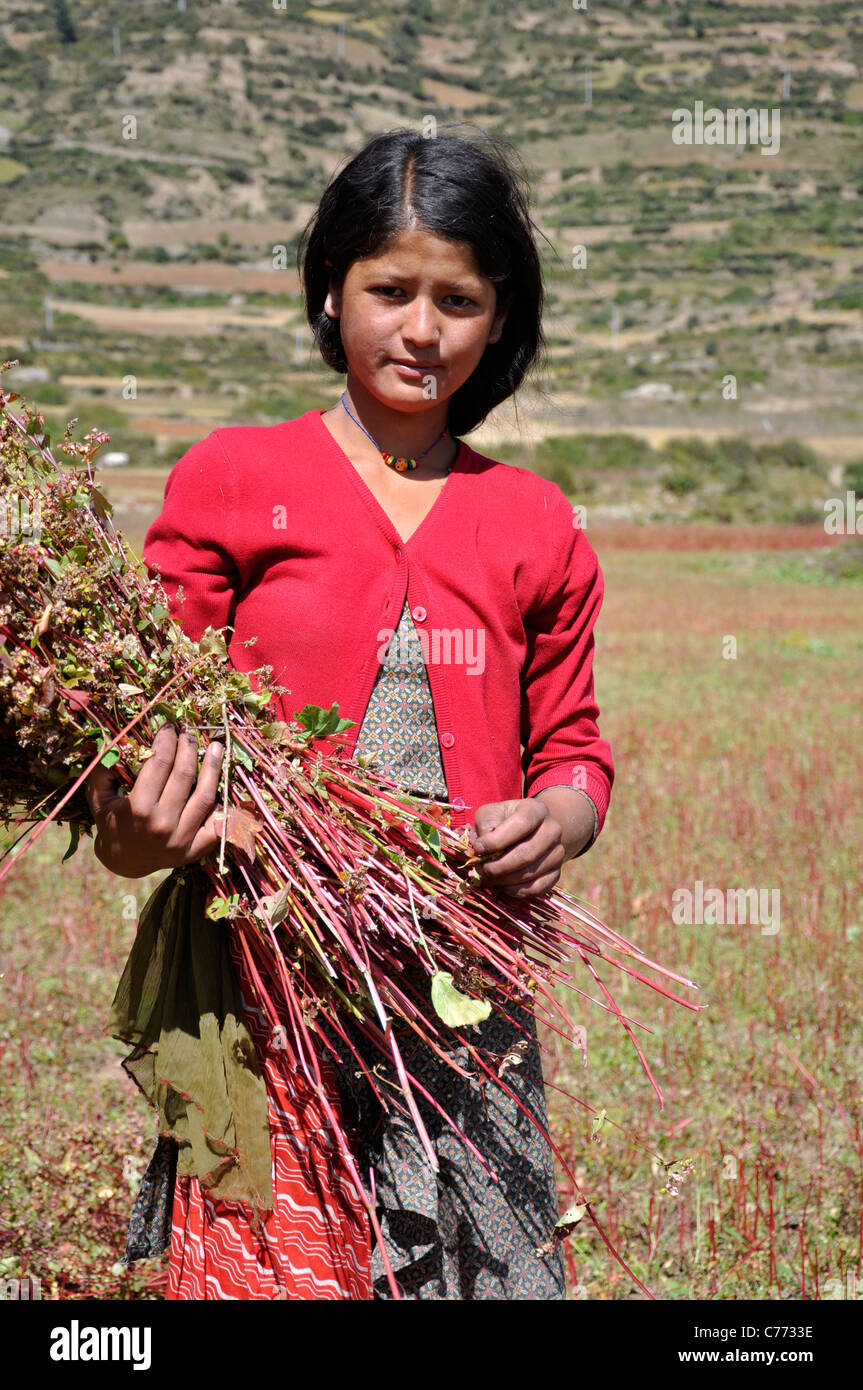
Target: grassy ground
(745, 773)
(741, 772)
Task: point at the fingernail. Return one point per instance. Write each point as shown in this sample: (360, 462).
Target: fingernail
(217, 749)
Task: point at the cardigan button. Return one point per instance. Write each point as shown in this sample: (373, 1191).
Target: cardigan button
(419, 613)
(398, 552)
(447, 740)
(458, 803)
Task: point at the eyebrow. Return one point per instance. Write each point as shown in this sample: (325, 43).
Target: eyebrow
(459, 286)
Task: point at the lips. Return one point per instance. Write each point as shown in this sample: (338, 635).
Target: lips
(417, 366)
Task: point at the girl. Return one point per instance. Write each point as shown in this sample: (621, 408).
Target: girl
(447, 602)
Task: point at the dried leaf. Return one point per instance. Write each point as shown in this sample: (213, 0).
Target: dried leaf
(241, 829)
(47, 693)
(99, 502)
(78, 699)
(277, 732)
(276, 905)
(212, 643)
(514, 1057)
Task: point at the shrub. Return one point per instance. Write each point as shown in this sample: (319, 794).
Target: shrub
(680, 483)
(853, 477)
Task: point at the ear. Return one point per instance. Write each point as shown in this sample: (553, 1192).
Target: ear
(333, 301)
(500, 318)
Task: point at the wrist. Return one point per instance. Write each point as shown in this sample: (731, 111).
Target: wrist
(576, 816)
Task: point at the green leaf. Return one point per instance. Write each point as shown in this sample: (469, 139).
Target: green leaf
(158, 614)
(220, 907)
(599, 1120)
(162, 713)
(561, 1229)
(111, 757)
(255, 700)
(430, 836)
(276, 732)
(239, 755)
(455, 1008)
(571, 1218)
(323, 723)
(75, 835)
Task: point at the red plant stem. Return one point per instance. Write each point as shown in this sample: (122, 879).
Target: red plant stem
(742, 1260)
(373, 1218)
(815, 1084)
(629, 1033)
(565, 1166)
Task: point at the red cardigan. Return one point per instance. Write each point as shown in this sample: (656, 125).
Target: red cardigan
(272, 530)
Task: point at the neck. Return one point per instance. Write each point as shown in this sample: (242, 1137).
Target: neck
(402, 432)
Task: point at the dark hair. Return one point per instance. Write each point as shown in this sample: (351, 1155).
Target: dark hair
(453, 188)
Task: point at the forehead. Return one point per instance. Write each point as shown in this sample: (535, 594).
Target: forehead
(412, 252)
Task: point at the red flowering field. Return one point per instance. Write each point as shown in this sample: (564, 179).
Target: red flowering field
(728, 683)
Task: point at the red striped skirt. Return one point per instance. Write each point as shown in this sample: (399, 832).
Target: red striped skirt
(315, 1243)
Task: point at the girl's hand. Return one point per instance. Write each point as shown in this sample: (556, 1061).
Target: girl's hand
(527, 841)
(157, 825)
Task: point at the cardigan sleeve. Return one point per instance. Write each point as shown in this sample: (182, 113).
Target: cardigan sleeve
(561, 744)
(190, 542)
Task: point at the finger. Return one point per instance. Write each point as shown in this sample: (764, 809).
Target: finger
(521, 856)
(499, 875)
(202, 803)
(534, 889)
(165, 811)
(487, 818)
(514, 826)
(153, 777)
(207, 839)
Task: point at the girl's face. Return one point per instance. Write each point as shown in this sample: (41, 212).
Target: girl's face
(419, 300)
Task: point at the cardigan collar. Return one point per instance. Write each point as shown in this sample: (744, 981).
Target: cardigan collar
(463, 465)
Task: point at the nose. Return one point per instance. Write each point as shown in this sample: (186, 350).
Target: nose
(420, 321)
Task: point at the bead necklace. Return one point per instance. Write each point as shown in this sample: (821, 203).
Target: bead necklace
(401, 465)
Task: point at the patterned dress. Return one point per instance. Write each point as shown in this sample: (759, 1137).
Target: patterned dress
(457, 1234)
